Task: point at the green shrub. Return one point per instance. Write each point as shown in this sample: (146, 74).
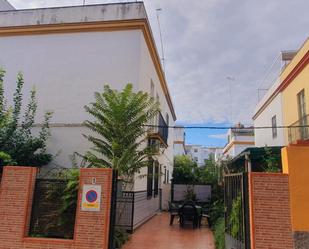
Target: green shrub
(120, 237)
(216, 211)
(17, 138)
(219, 233)
(234, 220)
(5, 159)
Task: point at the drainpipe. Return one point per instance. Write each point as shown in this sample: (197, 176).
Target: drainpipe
(248, 166)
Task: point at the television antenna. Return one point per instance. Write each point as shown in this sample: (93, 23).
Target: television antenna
(230, 80)
(161, 39)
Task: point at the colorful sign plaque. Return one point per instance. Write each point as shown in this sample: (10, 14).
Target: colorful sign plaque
(91, 198)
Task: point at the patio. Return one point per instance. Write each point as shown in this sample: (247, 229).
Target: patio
(157, 234)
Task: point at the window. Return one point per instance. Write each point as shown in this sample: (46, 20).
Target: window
(150, 179)
(165, 175)
(151, 89)
(195, 159)
(301, 104)
(156, 179)
(152, 94)
(274, 126)
(195, 150)
(158, 115)
(302, 114)
(168, 176)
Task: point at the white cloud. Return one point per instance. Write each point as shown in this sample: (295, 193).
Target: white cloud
(206, 41)
(218, 136)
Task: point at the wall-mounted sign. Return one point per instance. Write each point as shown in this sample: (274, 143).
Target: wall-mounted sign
(91, 200)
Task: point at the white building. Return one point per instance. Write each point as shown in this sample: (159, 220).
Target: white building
(218, 155)
(268, 112)
(239, 138)
(71, 52)
(199, 153)
(179, 141)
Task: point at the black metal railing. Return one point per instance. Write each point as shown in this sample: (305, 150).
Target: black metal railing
(299, 131)
(160, 129)
(236, 211)
(134, 208)
(48, 218)
(163, 129)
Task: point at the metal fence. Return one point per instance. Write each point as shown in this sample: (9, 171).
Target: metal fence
(299, 131)
(135, 207)
(49, 218)
(237, 226)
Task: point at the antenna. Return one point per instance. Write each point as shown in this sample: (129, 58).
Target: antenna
(162, 47)
(230, 79)
(259, 92)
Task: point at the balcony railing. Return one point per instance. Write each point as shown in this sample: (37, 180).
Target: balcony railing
(160, 130)
(299, 131)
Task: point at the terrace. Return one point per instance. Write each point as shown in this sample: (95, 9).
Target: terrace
(158, 234)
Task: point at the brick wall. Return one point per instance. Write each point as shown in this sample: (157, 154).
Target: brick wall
(270, 211)
(16, 193)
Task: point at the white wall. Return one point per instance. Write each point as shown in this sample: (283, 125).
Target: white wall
(179, 134)
(147, 73)
(179, 149)
(264, 136)
(68, 68)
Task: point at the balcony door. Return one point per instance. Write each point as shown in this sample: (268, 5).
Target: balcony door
(302, 115)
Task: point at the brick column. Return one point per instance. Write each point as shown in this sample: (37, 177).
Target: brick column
(16, 195)
(270, 215)
(92, 228)
(15, 204)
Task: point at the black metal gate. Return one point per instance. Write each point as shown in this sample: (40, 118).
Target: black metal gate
(236, 200)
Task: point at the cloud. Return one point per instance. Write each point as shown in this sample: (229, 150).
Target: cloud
(206, 41)
(218, 136)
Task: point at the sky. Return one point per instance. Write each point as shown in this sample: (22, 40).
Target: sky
(217, 53)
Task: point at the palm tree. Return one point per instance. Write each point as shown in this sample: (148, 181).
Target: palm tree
(119, 125)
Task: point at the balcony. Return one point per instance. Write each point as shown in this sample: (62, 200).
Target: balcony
(298, 133)
(160, 132)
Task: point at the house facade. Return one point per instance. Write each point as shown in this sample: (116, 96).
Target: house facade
(199, 153)
(179, 141)
(269, 111)
(239, 138)
(68, 53)
(290, 97)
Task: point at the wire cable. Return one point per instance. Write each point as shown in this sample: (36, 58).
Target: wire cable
(228, 127)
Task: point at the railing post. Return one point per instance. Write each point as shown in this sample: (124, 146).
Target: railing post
(111, 244)
(133, 206)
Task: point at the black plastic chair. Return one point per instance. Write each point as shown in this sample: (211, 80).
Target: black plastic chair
(205, 215)
(188, 212)
(173, 210)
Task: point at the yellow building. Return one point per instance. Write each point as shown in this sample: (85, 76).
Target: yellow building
(294, 87)
(295, 96)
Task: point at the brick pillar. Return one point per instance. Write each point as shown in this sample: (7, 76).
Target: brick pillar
(92, 228)
(16, 195)
(15, 204)
(270, 215)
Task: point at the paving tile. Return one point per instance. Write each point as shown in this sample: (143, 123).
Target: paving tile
(157, 234)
